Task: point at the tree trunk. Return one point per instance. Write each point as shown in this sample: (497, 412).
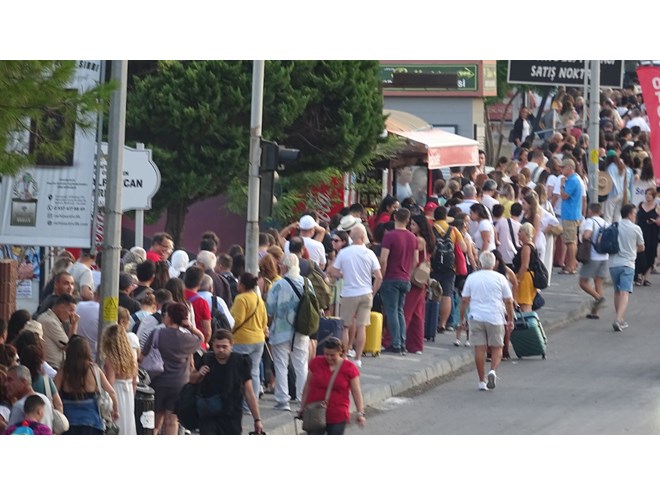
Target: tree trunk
(176, 215)
(489, 140)
(506, 109)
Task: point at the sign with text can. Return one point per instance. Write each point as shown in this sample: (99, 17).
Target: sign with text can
(562, 72)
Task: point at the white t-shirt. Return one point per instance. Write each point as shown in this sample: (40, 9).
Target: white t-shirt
(82, 275)
(134, 343)
(485, 226)
(506, 246)
(594, 225)
(357, 264)
(487, 291)
(18, 414)
(489, 202)
(641, 122)
(88, 326)
(630, 236)
(315, 249)
(553, 186)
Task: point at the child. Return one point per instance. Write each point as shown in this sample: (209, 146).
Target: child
(34, 410)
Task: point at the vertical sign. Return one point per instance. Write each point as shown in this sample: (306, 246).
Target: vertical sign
(649, 79)
(50, 203)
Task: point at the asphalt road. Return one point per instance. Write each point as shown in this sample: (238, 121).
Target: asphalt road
(594, 381)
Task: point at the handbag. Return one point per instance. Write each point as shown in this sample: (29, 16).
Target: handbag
(555, 230)
(186, 406)
(104, 403)
(313, 416)
(460, 261)
(60, 422)
(153, 361)
(209, 407)
(538, 302)
(583, 254)
(421, 274)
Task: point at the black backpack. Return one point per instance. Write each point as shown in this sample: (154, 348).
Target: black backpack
(607, 240)
(218, 319)
(233, 284)
(444, 258)
(540, 278)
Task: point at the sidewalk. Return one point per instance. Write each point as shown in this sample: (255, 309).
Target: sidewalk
(389, 375)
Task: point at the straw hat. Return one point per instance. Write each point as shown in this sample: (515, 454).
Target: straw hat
(348, 222)
(605, 183)
(35, 327)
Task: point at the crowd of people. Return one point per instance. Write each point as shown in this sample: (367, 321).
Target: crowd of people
(474, 245)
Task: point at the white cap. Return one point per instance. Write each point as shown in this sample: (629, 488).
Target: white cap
(307, 223)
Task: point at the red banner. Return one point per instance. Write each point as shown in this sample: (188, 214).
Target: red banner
(649, 79)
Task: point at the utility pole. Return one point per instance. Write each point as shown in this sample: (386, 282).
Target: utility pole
(112, 232)
(252, 230)
(594, 127)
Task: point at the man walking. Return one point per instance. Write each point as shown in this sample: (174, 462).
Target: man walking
(596, 267)
(356, 264)
(226, 380)
(489, 296)
(622, 264)
(398, 257)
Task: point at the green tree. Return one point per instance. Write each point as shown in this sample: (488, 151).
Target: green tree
(196, 118)
(35, 102)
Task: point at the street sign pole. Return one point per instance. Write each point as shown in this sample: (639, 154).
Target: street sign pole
(594, 121)
(252, 230)
(112, 232)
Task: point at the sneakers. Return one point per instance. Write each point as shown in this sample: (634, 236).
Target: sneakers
(403, 352)
(483, 386)
(619, 326)
(492, 379)
(467, 343)
(282, 406)
(350, 353)
(418, 352)
(457, 342)
(358, 363)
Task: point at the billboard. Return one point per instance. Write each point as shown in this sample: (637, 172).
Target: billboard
(562, 72)
(50, 204)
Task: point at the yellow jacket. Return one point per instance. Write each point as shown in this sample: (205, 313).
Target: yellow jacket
(249, 324)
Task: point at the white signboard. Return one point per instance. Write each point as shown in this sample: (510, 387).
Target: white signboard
(141, 178)
(51, 205)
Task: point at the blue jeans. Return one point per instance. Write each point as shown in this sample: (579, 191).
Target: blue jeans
(254, 351)
(393, 293)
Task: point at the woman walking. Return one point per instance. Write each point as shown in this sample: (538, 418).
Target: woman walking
(648, 219)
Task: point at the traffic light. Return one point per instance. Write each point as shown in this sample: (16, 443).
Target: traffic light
(275, 157)
(273, 160)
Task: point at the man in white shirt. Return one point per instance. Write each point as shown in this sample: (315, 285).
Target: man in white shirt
(83, 278)
(508, 246)
(622, 264)
(638, 120)
(357, 265)
(19, 385)
(488, 189)
(205, 292)
(596, 267)
(489, 297)
(315, 249)
(88, 326)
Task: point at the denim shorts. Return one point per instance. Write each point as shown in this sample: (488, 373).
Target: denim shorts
(622, 278)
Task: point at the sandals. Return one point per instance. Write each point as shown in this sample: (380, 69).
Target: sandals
(638, 283)
(647, 283)
(566, 272)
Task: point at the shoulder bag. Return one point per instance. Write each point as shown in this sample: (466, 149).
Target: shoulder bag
(104, 403)
(422, 273)
(60, 423)
(153, 361)
(313, 416)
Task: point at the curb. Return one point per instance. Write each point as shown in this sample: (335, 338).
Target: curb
(436, 370)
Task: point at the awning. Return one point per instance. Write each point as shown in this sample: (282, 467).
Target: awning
(445, 149)
(398, 121)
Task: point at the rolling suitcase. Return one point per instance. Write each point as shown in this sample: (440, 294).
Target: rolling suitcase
(431, 317)
(374, 334)
(527, 337)
(328, 327)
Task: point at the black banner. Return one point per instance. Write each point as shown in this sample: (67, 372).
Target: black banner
(562, 72)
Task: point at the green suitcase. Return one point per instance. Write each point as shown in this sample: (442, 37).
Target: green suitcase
(528, 337)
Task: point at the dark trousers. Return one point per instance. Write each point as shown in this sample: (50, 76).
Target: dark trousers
(330, 429)
(220, 426)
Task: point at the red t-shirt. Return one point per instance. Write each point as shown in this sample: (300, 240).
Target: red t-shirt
(340, 401)
(200, 307)
(402, 245)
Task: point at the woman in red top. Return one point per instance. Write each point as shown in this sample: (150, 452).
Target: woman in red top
(320, 372)
(388, 205)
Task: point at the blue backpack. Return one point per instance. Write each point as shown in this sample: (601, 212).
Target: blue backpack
(607, 240)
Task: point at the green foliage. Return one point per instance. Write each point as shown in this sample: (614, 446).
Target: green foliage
(34, 99)
(196, 118)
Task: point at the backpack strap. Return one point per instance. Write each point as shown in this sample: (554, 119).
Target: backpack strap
(513, 237)
(293, 286)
